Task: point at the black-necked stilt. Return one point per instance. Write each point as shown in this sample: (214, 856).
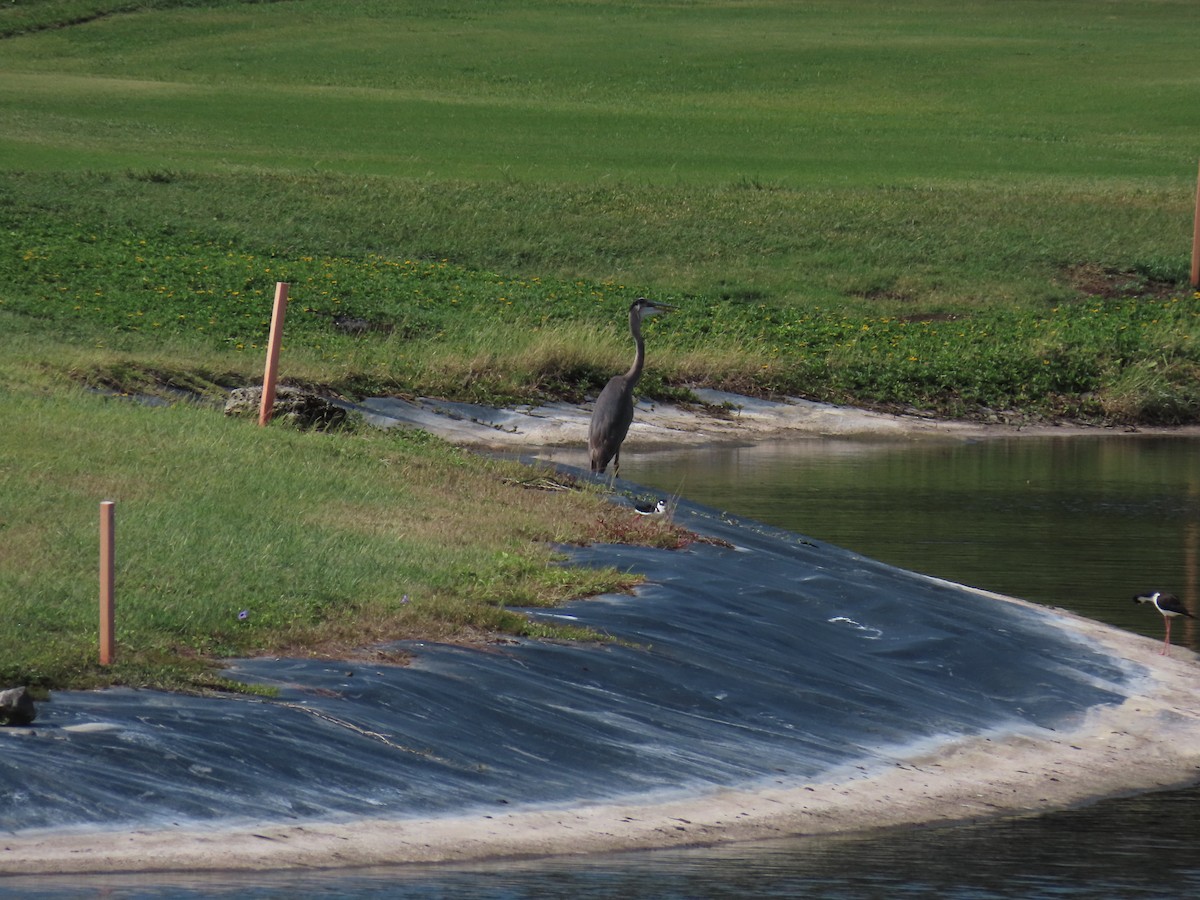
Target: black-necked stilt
(650, 509)
(1169, 605)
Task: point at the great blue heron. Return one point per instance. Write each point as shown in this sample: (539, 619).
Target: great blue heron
(1169, 605)
(613, 412)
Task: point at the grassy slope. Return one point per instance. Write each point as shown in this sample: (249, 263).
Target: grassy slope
(935, 204)
(235, 540)
(794, 173)
(819, 94)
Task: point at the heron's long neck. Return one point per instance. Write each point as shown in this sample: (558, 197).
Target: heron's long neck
(639, 356)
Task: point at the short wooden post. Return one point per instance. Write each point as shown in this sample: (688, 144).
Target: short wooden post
(277, 314)
(1196, 239)
(107, 580)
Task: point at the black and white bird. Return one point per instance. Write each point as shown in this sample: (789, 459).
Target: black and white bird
(1169, 605)
(650, 509)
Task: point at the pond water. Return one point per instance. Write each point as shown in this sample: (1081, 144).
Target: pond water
(1081, 523)
(1140, 847)
(1078, 522)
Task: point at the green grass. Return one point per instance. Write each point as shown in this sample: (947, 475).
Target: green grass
(234, 540)
(763, 164)
(957, 207)
(444, 328)
(815, 94)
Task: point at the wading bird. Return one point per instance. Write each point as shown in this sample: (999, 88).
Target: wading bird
(1169, 605)
(613, 412)
(650, 509)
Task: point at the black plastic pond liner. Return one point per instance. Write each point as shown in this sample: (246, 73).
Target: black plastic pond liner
(783, 659)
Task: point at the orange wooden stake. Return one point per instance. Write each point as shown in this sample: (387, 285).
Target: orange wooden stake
(1196, 240)
(277, 314)
(107, 580)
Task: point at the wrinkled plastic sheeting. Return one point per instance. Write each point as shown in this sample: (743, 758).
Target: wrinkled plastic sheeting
(777, 658)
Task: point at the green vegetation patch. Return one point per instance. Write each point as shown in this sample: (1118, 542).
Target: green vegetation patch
(373, 323)
(234, 540)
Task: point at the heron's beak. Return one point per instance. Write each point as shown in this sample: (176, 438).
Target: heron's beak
(654, 309)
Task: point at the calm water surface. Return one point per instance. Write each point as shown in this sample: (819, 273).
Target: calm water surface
(1082, 523)
(1113, 850)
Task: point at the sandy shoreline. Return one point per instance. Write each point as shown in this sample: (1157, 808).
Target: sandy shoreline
(728, 419)
(1151, 741)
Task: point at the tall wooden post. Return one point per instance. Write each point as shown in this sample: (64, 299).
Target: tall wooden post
(107, 581)
(1196, 239)
(277, 314)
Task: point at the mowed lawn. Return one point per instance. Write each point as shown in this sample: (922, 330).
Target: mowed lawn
(814, 94)
(800, 175)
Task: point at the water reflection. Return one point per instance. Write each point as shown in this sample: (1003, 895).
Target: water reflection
(1134, 847)
(1079, 522)
(1122, 856)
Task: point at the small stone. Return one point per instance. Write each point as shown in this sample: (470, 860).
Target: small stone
(293, 406)
(16, 707)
